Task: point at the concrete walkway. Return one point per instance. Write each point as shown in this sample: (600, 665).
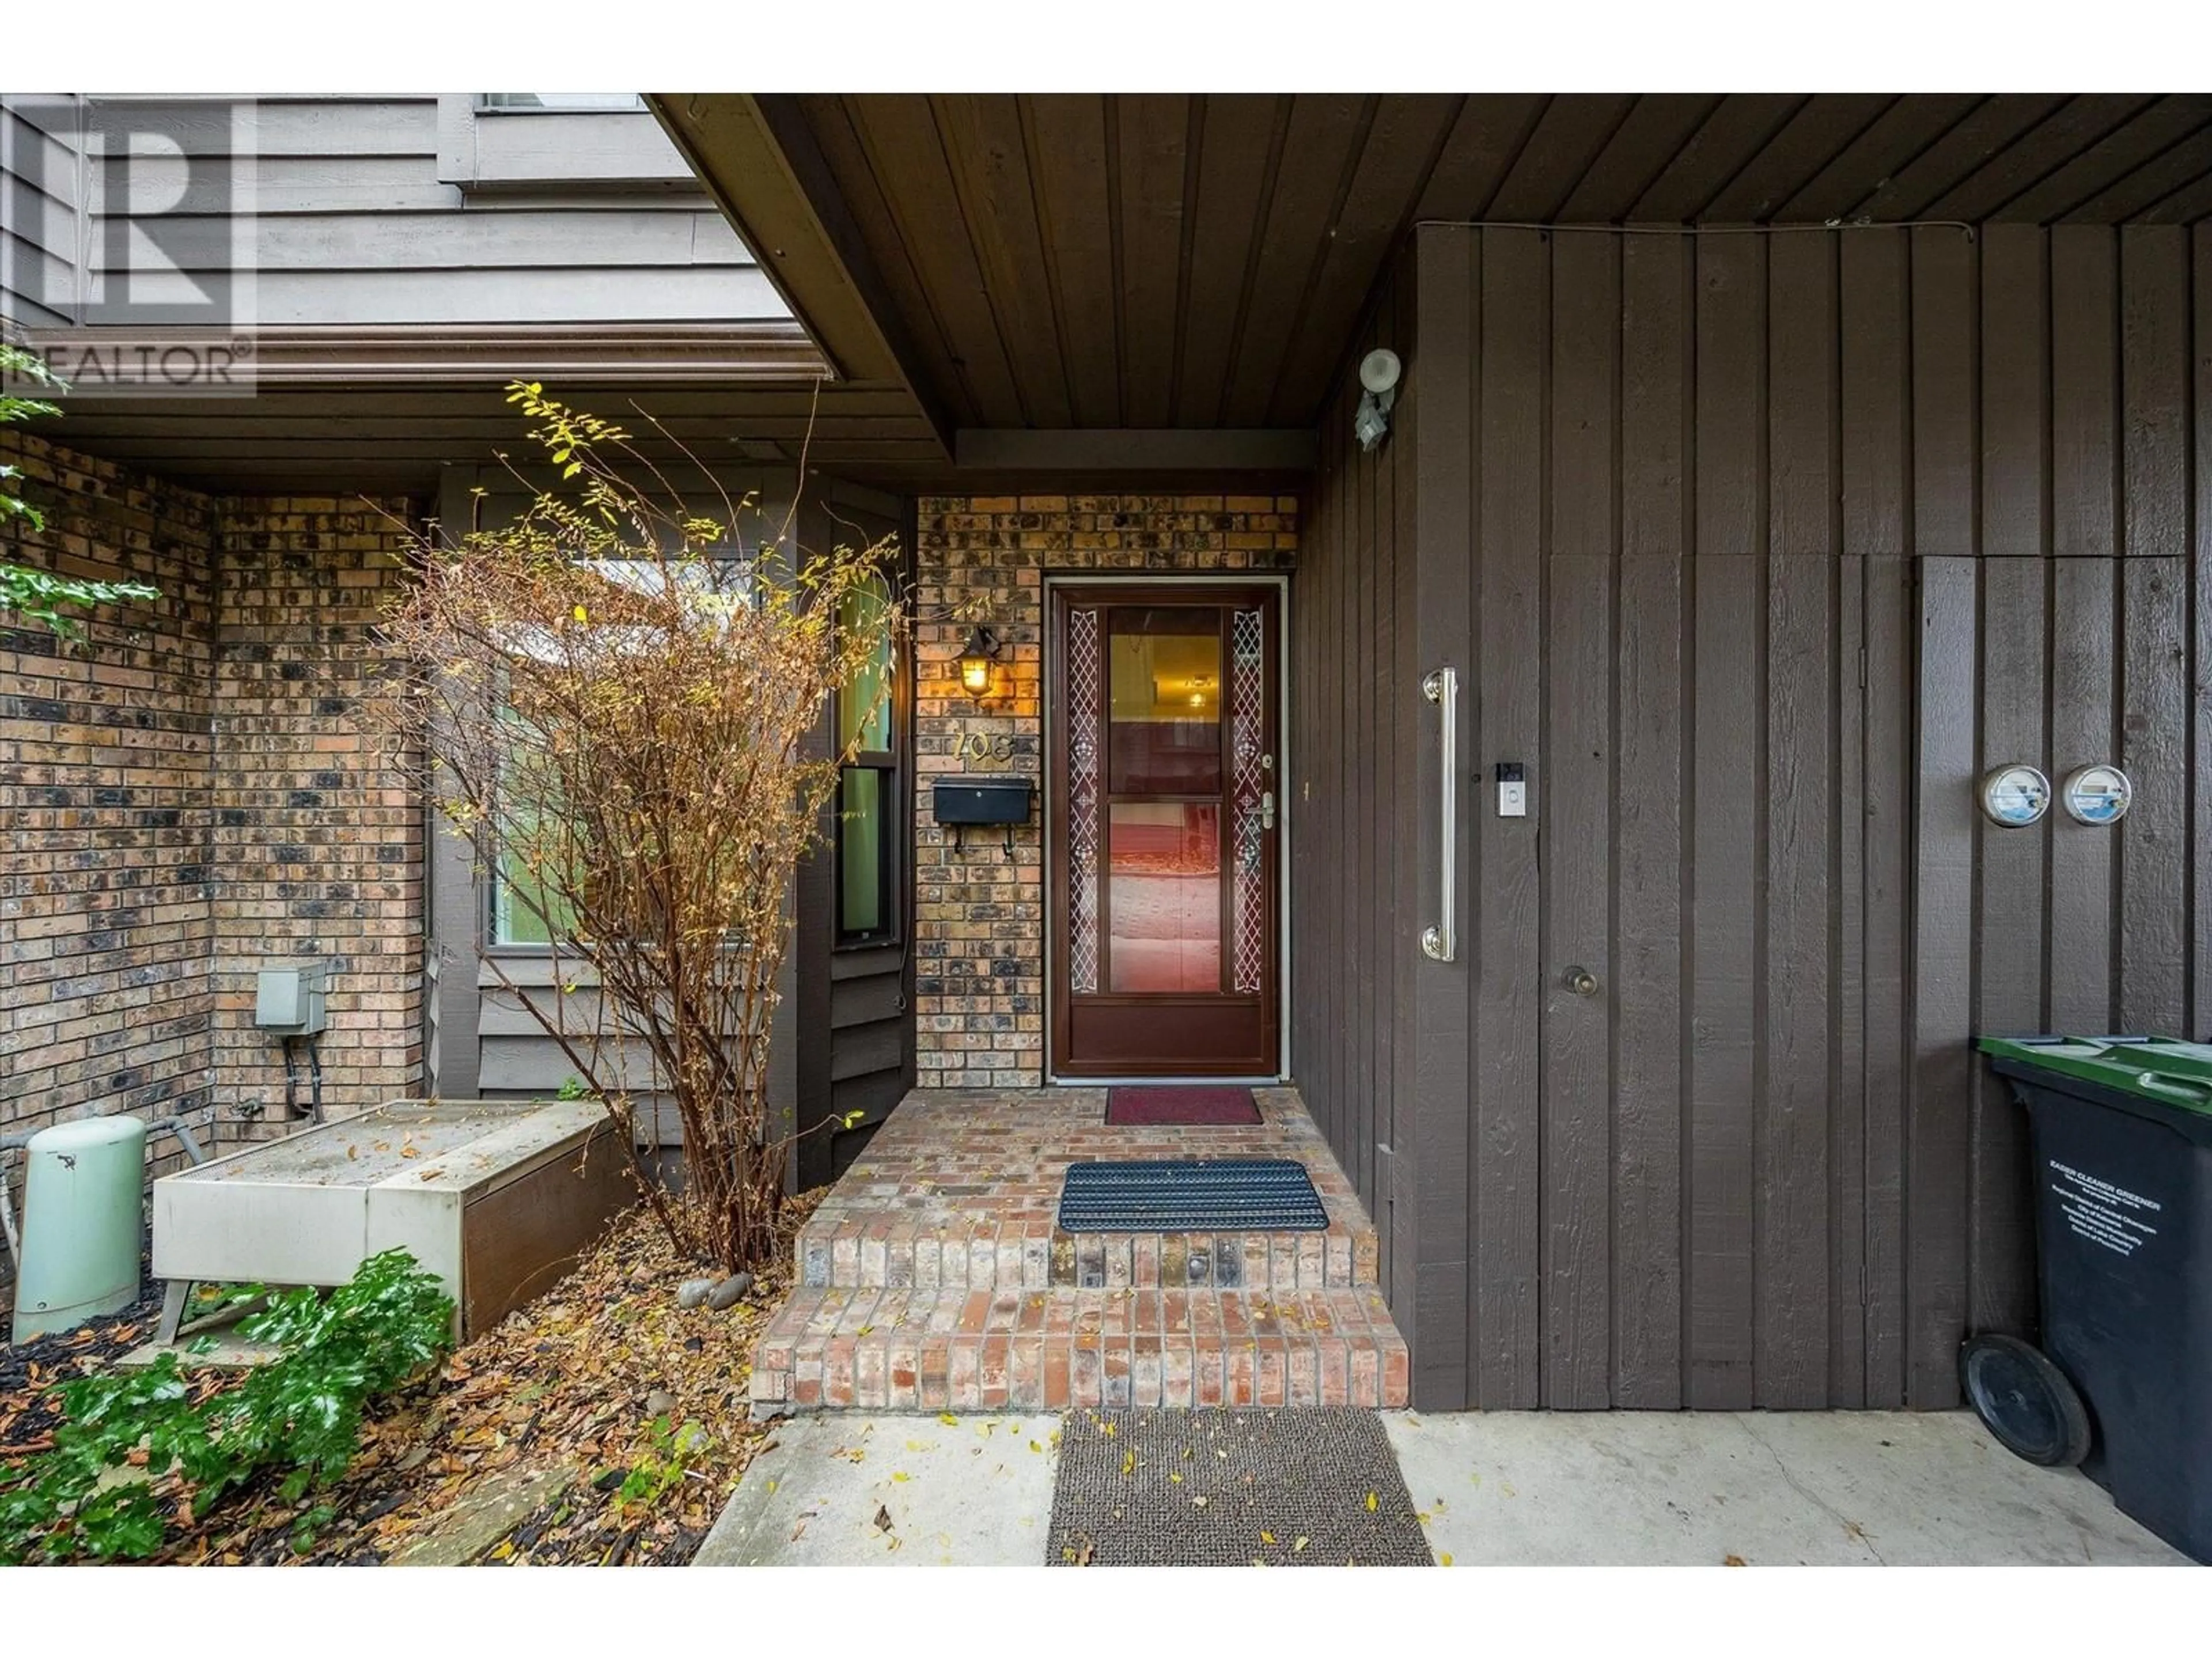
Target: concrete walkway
(1767, 1488)
(844, 1489)
(1622, 1488)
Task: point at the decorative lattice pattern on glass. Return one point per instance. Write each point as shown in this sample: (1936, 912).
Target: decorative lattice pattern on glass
(1249, 782)
(1085, 687)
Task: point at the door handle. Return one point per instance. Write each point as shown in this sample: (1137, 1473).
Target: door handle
(1268, 810)
(1441, 942)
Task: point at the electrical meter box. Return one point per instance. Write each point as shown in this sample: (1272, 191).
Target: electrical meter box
(289, 1000)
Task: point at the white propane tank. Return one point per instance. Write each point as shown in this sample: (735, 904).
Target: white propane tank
(83, 1218)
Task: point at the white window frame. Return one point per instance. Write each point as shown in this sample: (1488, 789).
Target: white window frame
(492, 148)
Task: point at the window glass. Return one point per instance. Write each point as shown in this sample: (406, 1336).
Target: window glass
(864, 709)
(869, 822)
(714, 584)
(1163, 881)
(518, 898)
(863, 804)
(1163, 731)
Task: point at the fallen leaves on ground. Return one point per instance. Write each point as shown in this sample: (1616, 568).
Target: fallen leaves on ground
(562, 1382)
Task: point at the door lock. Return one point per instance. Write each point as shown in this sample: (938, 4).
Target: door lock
(1268, 810)
(1581, 981)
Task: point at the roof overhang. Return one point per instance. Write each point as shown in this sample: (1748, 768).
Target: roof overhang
(761, 165)
(1145, 264)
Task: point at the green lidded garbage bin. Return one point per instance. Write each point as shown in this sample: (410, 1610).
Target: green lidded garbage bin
(2120, 1137)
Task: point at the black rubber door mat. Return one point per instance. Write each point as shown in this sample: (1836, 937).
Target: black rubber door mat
(1226, 1194)
(1299, 1487)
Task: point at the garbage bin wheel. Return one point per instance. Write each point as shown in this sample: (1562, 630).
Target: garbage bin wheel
(2025, 1400)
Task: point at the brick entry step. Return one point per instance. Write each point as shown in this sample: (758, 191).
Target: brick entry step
(932, 1276)
(839, 1346)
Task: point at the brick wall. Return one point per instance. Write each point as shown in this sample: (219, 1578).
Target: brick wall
(979, 919)
(317, 847)
(105, 764)
(187, 798)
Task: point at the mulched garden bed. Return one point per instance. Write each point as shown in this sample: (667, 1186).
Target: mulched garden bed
(564, 1394)
(29, 1408)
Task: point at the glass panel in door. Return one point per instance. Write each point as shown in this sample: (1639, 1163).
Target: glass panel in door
(1163, 773)
(1165, 857)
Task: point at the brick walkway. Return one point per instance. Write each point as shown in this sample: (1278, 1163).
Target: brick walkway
(933, 1278)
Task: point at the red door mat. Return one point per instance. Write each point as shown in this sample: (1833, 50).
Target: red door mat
(1141, 1108)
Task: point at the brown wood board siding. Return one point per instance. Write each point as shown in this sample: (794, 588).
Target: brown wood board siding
(1402, 699)
(1801, 695)
(1656, 374)
(2008, 942)
(1366, 786)
(1501, 932)
(1874, 456)
(2154, 600)
(1355, 717)
(1728, 577)
(1758, 553)
(1358, 868)
(1448, 325)
(1579, 575)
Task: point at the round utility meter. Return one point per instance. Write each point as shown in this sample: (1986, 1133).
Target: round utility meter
(2015, 796)
(2098, 794)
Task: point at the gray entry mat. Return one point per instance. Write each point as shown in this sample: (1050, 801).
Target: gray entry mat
(1191, 1194)
(1217, 1487)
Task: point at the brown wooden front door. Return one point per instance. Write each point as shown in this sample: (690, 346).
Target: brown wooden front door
(1166, 803)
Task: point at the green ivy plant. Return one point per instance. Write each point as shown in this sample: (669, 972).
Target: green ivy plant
(299, 1413)
(39, 595)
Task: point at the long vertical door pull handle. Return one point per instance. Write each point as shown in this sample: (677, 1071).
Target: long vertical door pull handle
(1441, 942)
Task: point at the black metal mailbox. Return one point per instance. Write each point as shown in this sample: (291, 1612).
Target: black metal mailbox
(984, 800)
(995, 802)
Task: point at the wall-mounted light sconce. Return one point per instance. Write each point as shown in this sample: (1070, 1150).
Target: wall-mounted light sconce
(1378, 379)
(975, 659)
